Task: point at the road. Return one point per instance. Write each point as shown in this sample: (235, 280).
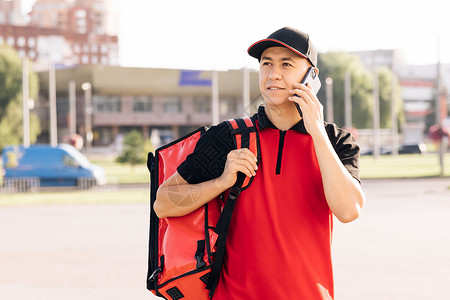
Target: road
(398, 249)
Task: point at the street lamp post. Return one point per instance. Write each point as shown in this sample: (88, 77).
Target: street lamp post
(52, 101)
(25, 104)
(87, 88)
(330, 106)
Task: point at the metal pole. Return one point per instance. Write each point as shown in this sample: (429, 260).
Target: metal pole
(72, 108)
(215, 97)
(394, 115)
(330, 107)
(25, 104)
(52, 98)
(438, 107)
(376, 114)
(246, 91)
(348, 101)
(87, 88)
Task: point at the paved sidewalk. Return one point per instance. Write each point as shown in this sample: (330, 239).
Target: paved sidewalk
(398, 249)
(90, 252)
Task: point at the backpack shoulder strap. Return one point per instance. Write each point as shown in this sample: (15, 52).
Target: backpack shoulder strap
(245, 135)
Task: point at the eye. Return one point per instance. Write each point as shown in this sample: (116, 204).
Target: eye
(266, 63)
(286, 64)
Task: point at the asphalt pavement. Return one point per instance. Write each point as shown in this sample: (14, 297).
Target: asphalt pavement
(398, 249)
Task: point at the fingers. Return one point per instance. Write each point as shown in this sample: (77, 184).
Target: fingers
(306, 98)
(242, 160)
(303, 92)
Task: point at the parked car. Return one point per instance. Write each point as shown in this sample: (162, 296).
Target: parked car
(62, 165)
(383, 151)
(412, 149)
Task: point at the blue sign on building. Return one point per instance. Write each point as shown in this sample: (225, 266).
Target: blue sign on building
(193, 78)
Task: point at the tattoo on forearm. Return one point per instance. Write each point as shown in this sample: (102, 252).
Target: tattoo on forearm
(183, 198)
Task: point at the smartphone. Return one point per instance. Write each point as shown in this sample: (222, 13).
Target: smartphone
(311, 77)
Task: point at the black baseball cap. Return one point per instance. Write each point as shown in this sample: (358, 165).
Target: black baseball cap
(293, 39)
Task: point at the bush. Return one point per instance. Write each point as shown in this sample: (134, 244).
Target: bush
(133, 149)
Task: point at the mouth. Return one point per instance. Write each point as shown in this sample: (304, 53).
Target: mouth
(274, 88)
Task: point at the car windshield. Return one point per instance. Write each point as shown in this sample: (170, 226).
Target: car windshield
(80, 158)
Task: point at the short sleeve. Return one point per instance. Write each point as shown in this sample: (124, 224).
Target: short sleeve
(346, 147)
(208, 159)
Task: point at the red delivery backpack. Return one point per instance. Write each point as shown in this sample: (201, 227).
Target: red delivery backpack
(186, 253)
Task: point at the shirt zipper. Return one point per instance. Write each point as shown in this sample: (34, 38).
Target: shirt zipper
(280, 151)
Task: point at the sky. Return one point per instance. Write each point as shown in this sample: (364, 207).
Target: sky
(212, 34)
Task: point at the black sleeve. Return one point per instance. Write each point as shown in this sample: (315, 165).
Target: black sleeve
(346, 148)
(208, 159)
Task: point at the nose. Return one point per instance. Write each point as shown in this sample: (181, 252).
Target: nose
(275, 73)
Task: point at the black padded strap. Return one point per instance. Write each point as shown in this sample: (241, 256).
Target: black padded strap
(223, 225)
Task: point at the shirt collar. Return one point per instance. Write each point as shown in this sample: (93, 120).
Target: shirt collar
(265, 123)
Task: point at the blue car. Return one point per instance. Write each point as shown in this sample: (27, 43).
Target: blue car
(62, 165)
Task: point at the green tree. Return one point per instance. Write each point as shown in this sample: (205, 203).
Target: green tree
(133, 149)
(385, 78)
(11, 125)
(11, 128)
(335, 65)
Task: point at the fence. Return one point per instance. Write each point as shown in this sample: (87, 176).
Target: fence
(33, 185)
(25, 184)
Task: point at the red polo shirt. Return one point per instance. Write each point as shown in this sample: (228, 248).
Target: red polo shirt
(279, 244)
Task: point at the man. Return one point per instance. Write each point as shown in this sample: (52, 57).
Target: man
(279, 242)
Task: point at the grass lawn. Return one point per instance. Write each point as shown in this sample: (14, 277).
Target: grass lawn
(123, 173)
(403, 166)
(386, 166)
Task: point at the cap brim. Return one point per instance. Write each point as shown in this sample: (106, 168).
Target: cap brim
(258, 48)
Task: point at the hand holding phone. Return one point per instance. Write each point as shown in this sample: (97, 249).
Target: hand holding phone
(311, 77)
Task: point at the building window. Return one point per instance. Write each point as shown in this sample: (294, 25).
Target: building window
(31, 42)
(80, 13)
(21, 41)
(228, 105)
(172, 105)
(142, 104)
(202, 104)
(103, 103)
(84, 59)
(1, 40)
(81, 23)
(32, 54)
(10, 41)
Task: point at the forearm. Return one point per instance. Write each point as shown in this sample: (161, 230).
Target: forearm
(176, 197)
(343, 192)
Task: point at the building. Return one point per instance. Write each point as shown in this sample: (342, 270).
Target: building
(10, 12)
(419, 92)
(172, 101)
(418, 84)
(80, 16)
(65, 33)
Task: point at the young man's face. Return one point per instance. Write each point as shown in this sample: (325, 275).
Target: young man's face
(279, 69)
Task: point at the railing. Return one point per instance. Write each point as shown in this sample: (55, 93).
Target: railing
(20, 185)
(32, 185)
